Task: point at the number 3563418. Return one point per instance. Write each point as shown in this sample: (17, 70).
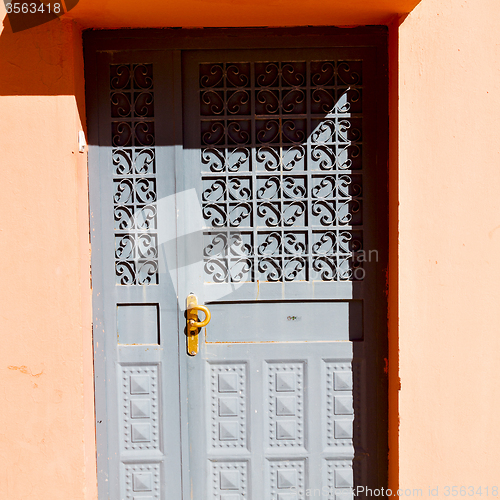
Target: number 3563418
(33, 8)
(463, 491)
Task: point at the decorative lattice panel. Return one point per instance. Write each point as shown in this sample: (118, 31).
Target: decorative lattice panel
(281, 156)
(134, 174)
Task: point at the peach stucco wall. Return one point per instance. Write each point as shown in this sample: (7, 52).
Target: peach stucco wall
(47, 444)
(443, 281)
(449, 237)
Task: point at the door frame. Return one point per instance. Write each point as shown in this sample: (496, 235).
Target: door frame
(95, 41)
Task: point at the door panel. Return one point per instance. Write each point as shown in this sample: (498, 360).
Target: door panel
(135, 310)
(277, 145)
(285, 321)
(280, 415)
(251, 179)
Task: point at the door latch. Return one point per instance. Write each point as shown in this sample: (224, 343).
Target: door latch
(193, 324)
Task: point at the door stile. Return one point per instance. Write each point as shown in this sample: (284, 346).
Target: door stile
(181, 233)
(98, 304)
(136, 342)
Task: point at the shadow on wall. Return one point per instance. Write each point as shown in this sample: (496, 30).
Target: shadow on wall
(45, 60)
(26, 15)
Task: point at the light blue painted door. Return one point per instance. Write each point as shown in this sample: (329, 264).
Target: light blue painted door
(248, 178)
(136, 339)
(273, 149)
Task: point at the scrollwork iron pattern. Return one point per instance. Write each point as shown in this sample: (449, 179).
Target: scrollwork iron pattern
(281, 156)
(134, 174)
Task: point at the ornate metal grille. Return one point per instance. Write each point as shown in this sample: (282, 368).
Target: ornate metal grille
(281, 155)
(134, 168)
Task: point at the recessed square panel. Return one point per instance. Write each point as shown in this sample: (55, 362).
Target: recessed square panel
(287, 478)
(287, 496)
(142, 481)
(343, 405)
(139, 384)
(343, 381)
(343, 429)
(137, 324)
(228, 431)
(285, 382)
(228, 407)
(343, 478)
(285, 406)
(344, 496)
(285, 429)
(141, 433)
(140, 408)
(228, 382)
(229, 480)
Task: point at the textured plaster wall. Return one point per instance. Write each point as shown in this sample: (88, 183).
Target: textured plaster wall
(47, 449)
(230, 13)
(445, 175)
(449, 222)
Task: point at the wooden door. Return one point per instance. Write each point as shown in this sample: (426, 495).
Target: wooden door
(253, 179)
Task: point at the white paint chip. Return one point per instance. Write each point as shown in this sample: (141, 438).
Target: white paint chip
(81, 141)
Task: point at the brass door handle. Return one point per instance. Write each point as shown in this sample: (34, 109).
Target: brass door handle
(192, 323)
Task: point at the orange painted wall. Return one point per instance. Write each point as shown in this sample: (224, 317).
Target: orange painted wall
(444, 296)
(231, 13)
(449, 237)
(47, 443)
